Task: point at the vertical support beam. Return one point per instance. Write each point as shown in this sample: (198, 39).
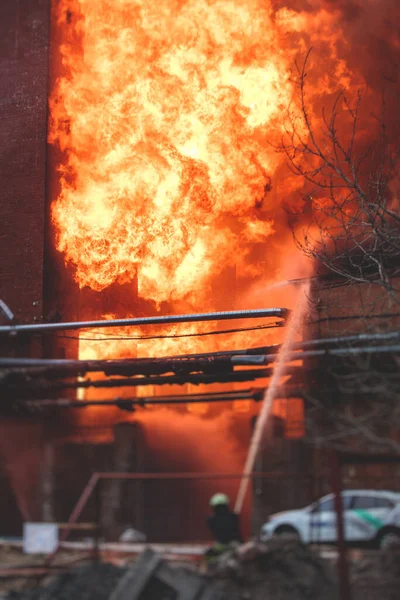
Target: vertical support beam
(124, 456)
(97, 532)
(139, 486)
(48, 482)
(343, 567)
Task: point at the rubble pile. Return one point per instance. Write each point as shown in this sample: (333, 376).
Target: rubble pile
(377, 575)
(87, 582)
(277, 570)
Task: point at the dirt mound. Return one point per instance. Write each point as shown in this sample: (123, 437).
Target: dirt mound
(87, 582)
(274, 571)
(278, 570)
(377, 575)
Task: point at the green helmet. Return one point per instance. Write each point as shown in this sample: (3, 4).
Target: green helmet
(218, 499)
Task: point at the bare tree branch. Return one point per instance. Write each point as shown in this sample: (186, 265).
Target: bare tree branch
(353, 233)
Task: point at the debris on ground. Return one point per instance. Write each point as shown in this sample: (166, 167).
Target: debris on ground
(276, 570)
(252, 571)
(152, 578)
(377, 575)
(86, 582)
(132, 535)
(14, 565)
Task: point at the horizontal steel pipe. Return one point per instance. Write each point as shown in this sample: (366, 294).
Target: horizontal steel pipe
(102, 365)
(258, 313)
(139, 402)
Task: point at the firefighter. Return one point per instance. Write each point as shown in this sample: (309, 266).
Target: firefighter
(224, 525)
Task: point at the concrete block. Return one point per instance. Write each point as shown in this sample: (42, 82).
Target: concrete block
(131, 585)
(151, 578)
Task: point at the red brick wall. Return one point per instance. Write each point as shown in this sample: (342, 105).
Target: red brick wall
(24, 44)
(351, 309)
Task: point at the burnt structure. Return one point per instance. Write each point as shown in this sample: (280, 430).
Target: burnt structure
(24, 35)
(45, 459)
(24, 29)
(58, 451)
(35, 473)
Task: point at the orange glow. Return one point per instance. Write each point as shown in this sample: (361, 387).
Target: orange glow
(242, 406)
(168, 142)
(171, 195)
(165, 119)
(291, 410)
(197, 408)
(167, 116)
(182, 338)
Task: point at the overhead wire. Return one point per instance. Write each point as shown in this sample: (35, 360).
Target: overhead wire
(170, 336)
(226, 315)
(105, 338)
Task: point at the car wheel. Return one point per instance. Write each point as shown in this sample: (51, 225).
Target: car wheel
(387, 538)
(287, 531)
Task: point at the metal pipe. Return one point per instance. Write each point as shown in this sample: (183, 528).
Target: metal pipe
(246, 393)
(227, 377)
(158, 366)
(233, 355)
(265, 359)
(227, 374)
(287, 391)
(129, 402)
(313, 343)
(127, 366)
(359, 350)
(197, 476)
(348, 339)
(258, 313)
(6, 310)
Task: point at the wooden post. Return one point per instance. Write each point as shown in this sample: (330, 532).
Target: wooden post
(343, 567)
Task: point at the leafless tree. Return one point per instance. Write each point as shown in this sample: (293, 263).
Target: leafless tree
(353, 237)
(356, 222)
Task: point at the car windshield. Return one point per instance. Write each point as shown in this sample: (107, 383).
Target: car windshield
(327, 504)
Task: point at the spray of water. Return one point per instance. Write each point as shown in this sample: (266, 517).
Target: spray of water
(277, 285)
(279, 370)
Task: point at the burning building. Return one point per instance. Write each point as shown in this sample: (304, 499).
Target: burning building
(146, 150)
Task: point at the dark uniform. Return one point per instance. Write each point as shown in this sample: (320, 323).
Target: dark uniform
(224, 525)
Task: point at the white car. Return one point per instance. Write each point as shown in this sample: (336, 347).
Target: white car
(369, 516)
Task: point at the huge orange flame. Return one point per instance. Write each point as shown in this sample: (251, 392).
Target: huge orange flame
(167, 117)
(168, 114)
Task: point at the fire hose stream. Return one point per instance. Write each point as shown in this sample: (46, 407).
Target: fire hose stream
(294, 323)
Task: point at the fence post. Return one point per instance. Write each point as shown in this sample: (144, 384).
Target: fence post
(97, 532)
(343, 567)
